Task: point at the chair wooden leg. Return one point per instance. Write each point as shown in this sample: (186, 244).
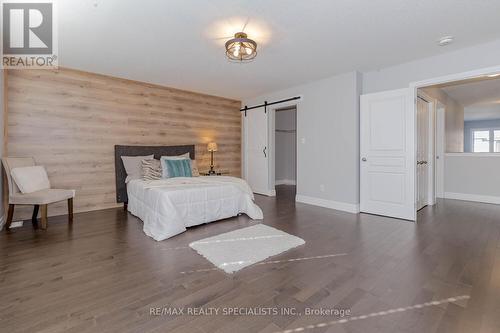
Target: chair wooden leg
(44, 217)
(34, 220)
(10, 215)
(70, 210)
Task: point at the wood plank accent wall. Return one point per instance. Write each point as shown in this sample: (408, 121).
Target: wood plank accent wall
(69, 121)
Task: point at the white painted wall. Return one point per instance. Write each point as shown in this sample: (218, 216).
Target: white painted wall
(285, 147)
(400, 76)
(472, 177)
(328, 135)
(454, 119)
(328, 121)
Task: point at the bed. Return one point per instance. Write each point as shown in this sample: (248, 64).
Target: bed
(169, 206)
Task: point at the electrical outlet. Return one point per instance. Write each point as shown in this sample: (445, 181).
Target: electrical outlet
(303, 140)
(322, 188)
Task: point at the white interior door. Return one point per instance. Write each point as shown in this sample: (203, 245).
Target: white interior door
(422, 153)
(256, 150)
(387, 170)
(440, 144)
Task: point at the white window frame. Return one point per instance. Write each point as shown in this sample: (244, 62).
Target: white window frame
(492, 144)
(492, 138)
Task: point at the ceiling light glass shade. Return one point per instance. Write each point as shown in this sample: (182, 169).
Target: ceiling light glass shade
(241, 48)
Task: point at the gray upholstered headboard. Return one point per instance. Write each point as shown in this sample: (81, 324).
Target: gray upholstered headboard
(158, 151)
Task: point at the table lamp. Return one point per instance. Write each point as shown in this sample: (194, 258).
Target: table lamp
(212, 147)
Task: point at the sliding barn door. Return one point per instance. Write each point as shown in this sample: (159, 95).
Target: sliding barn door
(387, 171)
(256, 150)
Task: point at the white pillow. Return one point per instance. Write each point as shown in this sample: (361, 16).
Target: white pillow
(30, 179)
(133, 166)
(194, 169)
(164, 171)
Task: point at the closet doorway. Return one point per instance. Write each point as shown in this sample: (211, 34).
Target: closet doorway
(285, 158)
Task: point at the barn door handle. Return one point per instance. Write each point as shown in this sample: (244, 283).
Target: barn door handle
(264, 151)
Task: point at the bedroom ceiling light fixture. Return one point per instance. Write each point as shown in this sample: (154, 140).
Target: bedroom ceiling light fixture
(241, 48)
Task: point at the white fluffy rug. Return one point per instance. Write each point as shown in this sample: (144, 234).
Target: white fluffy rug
(240, 248)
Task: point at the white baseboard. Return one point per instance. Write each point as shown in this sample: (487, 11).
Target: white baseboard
(345, 207)
(472, 197)
(285, 182)
(268, 193)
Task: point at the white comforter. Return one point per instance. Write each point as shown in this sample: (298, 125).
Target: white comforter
(168, 206)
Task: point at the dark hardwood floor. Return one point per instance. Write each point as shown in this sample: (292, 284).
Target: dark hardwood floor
(104, 274)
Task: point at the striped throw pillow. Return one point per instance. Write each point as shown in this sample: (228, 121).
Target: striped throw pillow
(178, 168)
(151, 169)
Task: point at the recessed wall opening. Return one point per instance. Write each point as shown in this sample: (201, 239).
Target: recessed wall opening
(285, 140)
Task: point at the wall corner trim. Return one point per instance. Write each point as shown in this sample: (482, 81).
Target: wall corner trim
(337, 205)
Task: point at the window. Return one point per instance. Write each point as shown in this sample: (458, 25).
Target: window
(496, 141)
(481, 140)
(486, 140)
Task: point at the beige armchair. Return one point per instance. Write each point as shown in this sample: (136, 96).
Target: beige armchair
(39, 198)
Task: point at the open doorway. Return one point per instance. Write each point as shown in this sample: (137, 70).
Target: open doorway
(464, 132)
(425, 150)
(285, 159)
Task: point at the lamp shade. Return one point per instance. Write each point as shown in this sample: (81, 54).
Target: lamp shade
(212, 146)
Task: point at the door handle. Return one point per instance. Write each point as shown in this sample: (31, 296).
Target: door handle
(364, 159)
(264, 151)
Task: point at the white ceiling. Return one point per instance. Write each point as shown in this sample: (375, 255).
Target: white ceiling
(174, 42)
(480, 99)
